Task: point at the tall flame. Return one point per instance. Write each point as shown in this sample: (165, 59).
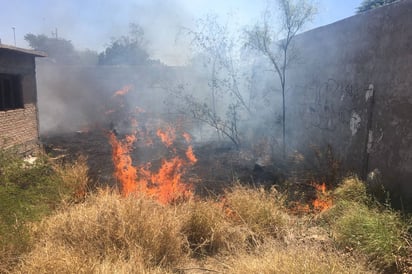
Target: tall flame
(165, 185)
(124, 169)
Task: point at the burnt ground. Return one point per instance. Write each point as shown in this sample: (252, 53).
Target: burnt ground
(219, 164)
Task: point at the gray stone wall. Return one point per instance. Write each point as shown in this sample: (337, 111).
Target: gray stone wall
(352, 88)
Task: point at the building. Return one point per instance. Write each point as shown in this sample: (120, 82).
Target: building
(19, 124)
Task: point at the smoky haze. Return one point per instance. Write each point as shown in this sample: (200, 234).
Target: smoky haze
(204, 74)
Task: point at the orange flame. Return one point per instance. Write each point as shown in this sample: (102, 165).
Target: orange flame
(124, 170)
(165, 185)
(123, 91)
(191, 155)
(187, 137)
(167, 136)
(323, 201)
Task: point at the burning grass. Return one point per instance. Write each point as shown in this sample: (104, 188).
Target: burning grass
(110, 232)
(246, 230)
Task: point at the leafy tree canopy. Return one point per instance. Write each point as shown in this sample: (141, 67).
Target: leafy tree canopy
(372, 4)
(60, 50)
(126, 50)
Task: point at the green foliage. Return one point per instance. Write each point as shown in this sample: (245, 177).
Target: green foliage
(352, 190)
(126, 50)
(28, 192)
(372, 4)
(60, 50)
(358, 222)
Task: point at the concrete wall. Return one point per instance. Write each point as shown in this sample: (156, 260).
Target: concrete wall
(330, 92)
(19, 127)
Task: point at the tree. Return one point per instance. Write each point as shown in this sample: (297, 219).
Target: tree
(225, 102)
(275, 43)
(372, 4)
(60, 49)
(126, 50)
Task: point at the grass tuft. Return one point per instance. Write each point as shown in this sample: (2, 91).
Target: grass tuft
(261, 211)
(358, 224)
(207, 229)
(110, 228)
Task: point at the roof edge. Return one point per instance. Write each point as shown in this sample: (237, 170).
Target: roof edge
(22, 50)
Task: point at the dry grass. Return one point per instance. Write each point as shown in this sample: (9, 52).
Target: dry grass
(207, 229)
(261, 211)
(107, 228)
(296, 259)
(75, 179)
(248, 231)
(29, 191)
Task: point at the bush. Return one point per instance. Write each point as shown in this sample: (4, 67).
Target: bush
(365, 226)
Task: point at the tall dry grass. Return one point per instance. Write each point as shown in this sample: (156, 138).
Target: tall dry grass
(105, 231)
(249, 231)
(260, 211)
(310, 259)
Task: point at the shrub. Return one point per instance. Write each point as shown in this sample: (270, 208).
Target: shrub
(365, 226)
(351, 189)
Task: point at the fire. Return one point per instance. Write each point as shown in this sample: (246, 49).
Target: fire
(323, 200)
(166, 184)
(167, 136)
(124, 169)
(191, 155)
(123, 91)
(187, 137)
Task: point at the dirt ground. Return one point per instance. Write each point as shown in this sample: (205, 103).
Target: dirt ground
(219, 164)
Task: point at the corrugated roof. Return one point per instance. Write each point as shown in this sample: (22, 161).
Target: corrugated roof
(21, 50)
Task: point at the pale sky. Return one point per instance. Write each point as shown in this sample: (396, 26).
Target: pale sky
(91, 23)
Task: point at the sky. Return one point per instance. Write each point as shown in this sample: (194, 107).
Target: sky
(90, 24)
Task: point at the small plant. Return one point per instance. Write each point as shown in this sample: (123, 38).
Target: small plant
(358, 223)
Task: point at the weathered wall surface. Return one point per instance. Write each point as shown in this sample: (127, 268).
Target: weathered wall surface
(352, 89)
(19, 127)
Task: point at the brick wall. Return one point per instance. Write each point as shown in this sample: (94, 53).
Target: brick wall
(18, 128)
